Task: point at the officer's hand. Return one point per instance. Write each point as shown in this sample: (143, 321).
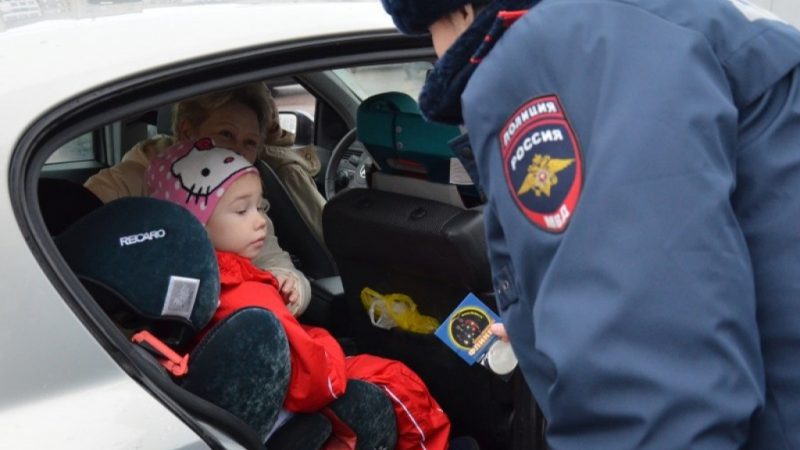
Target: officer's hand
(287, 285)
(499, 330)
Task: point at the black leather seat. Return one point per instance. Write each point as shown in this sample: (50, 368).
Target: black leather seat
(432, 251)
(436, 254)
(62, 202)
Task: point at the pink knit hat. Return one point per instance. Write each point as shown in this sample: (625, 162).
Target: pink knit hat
(195, 175)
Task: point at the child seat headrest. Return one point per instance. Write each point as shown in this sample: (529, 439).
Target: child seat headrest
(149, 263)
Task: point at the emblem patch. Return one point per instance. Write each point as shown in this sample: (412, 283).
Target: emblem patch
(542, 163)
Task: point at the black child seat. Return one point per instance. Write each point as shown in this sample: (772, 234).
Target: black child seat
(150, 266)
(432, 251)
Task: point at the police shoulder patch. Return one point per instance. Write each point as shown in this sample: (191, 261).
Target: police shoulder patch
(542, 162)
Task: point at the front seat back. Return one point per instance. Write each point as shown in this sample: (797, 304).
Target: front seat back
(432, 251)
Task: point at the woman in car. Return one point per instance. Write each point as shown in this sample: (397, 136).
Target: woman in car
(236, 119)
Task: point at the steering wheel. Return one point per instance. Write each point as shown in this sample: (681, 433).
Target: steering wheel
(346, 173)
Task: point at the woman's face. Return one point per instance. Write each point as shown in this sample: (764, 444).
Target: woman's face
(232, 126)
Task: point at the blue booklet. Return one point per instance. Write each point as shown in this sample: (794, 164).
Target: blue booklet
(467, 330)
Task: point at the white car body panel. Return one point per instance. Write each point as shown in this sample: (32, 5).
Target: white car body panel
(46, 63)
(60, 387)
(788, 10)
(111, 415)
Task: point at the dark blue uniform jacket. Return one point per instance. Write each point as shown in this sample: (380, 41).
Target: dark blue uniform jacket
(641, 161)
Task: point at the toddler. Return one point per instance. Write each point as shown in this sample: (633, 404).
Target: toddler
(223, 190)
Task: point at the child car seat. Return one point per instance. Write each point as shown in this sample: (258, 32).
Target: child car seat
(150, 266)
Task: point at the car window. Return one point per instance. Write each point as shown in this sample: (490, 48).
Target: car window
(294, 97)
(296, 108)
(81, 148)
(365, 81)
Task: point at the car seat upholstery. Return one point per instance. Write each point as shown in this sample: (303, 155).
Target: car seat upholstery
(432, 251)
(151, 267)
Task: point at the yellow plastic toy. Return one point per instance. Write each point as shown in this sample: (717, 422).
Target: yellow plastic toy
(396, 310)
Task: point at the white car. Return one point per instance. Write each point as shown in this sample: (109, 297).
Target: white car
(80, 83)
(81, 86)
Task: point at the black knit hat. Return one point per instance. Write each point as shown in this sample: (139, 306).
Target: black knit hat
(415, 16)
(440, 99)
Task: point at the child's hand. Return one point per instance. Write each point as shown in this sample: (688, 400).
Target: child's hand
(499, 330)
(287, 285)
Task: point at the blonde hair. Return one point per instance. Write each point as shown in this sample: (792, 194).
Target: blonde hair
(254, 96)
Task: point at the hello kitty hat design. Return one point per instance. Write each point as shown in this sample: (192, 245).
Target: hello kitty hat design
(195, 175)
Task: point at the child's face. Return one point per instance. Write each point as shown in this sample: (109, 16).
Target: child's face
(237, 224)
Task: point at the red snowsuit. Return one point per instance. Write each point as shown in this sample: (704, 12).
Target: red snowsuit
(319, 369)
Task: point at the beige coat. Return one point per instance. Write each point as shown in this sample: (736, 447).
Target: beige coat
(126, 179)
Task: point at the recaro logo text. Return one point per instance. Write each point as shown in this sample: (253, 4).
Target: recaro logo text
(141, 237)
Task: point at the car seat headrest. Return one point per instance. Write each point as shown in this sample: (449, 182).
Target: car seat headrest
(153, 258)
(401, 141)
(62, 202)
(164, 120)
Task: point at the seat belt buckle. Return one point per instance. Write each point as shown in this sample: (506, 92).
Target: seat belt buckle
(175, 364)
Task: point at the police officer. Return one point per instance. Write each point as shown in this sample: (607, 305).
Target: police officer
(641, 163)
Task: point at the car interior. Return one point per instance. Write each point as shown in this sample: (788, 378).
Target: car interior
(394, 222)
